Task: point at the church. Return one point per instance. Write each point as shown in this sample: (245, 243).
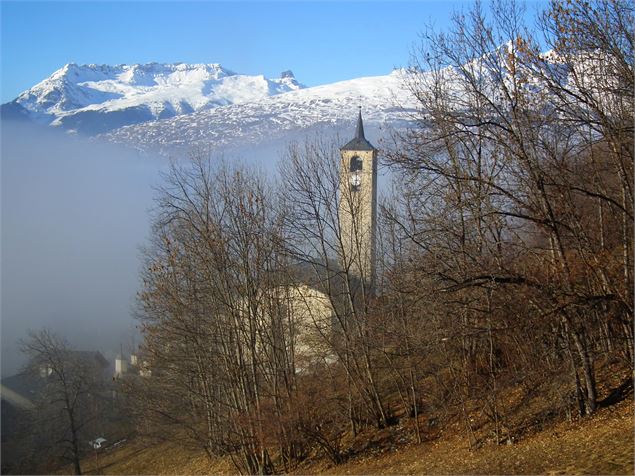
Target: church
(310, 322)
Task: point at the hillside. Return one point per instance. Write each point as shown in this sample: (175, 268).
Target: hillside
(548, 444)
(602, 444)
(291, 115)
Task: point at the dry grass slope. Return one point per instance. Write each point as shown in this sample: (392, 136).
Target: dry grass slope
(602, 444)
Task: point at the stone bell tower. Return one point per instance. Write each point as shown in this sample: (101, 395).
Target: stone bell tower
(358, 206)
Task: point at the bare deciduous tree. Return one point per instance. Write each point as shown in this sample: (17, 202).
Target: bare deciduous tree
(69, 399)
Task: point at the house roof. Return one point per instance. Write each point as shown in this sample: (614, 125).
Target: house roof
(29, 383)
(24, 384)
(15, 399)
(99, 359)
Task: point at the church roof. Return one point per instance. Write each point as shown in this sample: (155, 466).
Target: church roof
(359, 142)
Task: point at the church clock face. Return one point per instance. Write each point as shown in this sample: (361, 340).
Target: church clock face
(355, 168)
(356, 181)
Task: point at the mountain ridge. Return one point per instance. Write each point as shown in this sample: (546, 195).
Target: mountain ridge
(162, 107)
(327, 108)
(93, 98)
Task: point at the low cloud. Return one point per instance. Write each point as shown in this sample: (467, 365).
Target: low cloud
(74, 214)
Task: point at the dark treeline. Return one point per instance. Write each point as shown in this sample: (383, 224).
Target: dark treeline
(505, 258)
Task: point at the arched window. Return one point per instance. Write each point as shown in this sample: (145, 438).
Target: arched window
(356, 164)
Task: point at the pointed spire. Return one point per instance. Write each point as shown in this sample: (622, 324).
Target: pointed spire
(359, 142)
(360, 126)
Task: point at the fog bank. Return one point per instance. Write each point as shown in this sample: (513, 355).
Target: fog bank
(74, 213)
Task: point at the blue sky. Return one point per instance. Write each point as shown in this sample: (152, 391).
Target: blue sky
(321, 42)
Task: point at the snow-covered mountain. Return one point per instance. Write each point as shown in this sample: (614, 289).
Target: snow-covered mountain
(330, 108)
(163, 107)
(92, 99)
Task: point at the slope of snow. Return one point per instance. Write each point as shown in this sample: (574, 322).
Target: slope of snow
(98, 98)
(163, 107)
(384, 101)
